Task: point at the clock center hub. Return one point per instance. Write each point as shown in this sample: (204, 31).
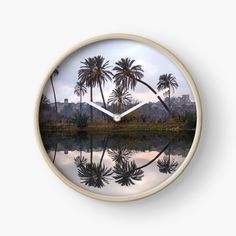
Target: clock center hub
(116, 118)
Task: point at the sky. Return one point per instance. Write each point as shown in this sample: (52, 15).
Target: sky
(153, 62)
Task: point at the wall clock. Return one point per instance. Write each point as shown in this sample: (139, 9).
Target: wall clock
(118, 118)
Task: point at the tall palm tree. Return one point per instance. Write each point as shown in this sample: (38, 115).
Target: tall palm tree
(102, 74)
(54, 74)
(86, 77)
(94, 72)
(120, 96)
(126, 172)
(167, 81)
(80, 89)
(127, 75)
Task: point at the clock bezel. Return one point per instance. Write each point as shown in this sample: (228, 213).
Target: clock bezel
(191, 152)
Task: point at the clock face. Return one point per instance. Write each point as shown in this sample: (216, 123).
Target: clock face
(119, 118)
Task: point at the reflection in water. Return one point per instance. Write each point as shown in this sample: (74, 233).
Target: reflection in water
(120, 155)
(166, 165)
(128, 171)
(93, 174)
(55, 153)
(118, 164)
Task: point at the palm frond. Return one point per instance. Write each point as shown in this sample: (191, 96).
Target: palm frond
(126, 73)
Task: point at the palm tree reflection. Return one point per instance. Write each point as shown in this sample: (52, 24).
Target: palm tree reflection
(120, 155)
(93, 174)
(124, 171)
(55, 154)
(166, 165)
(127, 172)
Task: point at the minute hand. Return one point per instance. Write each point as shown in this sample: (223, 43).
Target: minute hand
(101, 109)
(135, 107)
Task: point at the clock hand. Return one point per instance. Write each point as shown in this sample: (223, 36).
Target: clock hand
(101, 109)
(135, 107)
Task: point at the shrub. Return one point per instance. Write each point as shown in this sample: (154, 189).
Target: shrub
(190, 120)
(80, 120)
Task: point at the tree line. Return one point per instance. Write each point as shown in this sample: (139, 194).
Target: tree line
(96, 72)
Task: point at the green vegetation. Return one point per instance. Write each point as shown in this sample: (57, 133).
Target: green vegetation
(80, 120)
(80, 124)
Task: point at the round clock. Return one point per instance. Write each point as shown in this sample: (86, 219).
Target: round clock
(118, 118)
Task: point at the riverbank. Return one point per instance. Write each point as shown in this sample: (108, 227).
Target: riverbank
(174, 126)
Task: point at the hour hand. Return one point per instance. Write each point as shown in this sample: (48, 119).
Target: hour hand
(136, 107)
(101, 109)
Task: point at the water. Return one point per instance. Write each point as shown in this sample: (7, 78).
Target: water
(118, 164)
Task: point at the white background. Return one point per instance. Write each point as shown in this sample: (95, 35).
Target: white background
(34, 34)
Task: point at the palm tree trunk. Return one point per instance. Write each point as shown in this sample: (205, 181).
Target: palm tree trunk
(167, 145)
(169, 96)
(54, 94)
(91, 108)
(80, 105)
(91, 149)
(103, 99)
(119, 107)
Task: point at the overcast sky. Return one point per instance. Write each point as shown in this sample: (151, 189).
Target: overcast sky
(153, 63)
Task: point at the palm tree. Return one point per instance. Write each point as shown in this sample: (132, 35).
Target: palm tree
(167, 81)
(86, 77)
(44, 103)
(54, 73)
(102, 74)
(120, 96)
(80, 90)
(44, 100)
(127, 75)
(126, 171)
(93, 72)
